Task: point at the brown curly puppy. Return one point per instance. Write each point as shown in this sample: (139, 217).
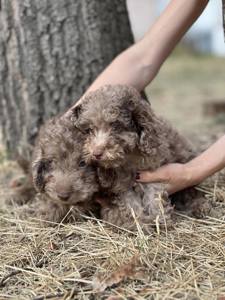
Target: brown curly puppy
(60, 174)
(120, 126)
(123, 133)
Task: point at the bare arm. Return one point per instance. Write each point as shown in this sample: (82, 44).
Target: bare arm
(180, 176)
(139, 64)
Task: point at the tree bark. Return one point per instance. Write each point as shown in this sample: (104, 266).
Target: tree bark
(50, 52)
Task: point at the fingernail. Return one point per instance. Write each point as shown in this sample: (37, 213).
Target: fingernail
(137, 175)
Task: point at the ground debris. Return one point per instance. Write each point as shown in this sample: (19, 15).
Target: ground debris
(127, 270)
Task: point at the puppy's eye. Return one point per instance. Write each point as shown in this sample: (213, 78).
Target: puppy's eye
(116, 125)
(82, 164)
(87, 130)
(44, 165)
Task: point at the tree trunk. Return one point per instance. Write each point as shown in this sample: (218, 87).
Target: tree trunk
(50, 52)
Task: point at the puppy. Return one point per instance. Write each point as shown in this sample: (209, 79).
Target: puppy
(124, 135)
(60, 174)
(121, 128)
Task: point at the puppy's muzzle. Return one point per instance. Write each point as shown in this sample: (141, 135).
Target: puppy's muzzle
(64, 196)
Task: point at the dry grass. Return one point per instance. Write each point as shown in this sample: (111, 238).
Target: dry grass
(92, 260)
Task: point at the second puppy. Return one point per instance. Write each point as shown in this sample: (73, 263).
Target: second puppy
(123, 135)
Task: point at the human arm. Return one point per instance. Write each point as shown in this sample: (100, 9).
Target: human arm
(181, 176)
(138, 65)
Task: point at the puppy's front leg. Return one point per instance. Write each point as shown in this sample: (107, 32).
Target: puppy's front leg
(143, 204)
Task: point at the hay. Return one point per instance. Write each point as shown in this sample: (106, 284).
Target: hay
(92, 260)
(186, 263)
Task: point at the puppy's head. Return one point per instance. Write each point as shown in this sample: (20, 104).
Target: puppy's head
(59, 171)
(112, 121)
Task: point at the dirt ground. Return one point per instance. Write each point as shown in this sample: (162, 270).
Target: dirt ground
(92, 260)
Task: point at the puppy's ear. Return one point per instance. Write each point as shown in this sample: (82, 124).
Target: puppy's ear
(38, 171)
(76, 112)
(146, 126)
(40, 167)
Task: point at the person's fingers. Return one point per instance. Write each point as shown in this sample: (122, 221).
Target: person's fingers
(147, 176)
(171, 189)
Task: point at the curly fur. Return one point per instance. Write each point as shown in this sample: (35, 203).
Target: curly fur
(58, 169)
(145, 204)
(60, 174)
(120, 126)
(124, 135)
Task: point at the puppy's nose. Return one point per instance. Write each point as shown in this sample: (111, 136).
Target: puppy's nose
(64, 195)
(97, 154)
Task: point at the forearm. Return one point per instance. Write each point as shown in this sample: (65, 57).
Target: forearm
(138, 65)
(207, 163)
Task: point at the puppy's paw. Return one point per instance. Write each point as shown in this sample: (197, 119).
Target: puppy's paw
(20, 197)
(201, 208)
(22, 192)
(157, 204)
(51, 213)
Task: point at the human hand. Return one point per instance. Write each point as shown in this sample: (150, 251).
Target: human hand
(175, 176)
